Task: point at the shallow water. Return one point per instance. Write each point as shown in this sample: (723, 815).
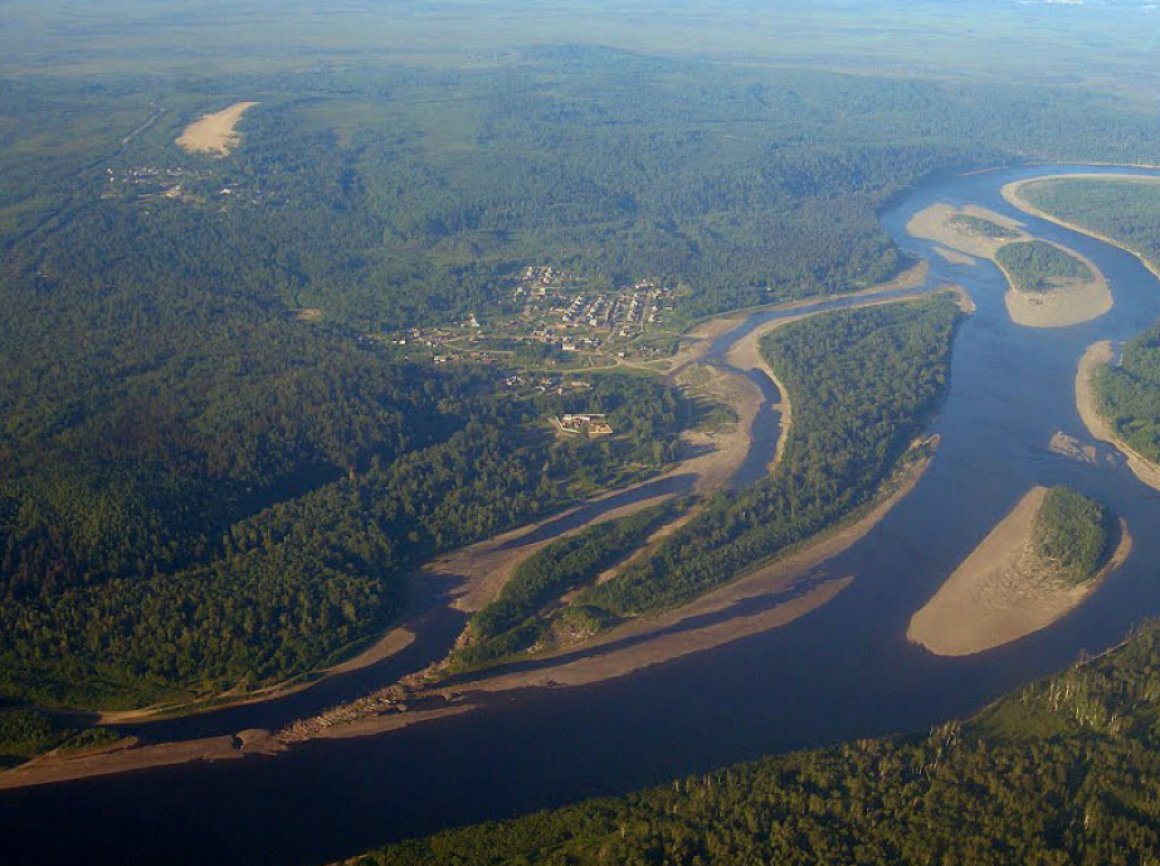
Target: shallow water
(844, 671)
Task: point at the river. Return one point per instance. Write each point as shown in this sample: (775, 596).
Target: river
(844, 671)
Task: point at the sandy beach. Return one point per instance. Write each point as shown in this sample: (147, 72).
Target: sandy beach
(935, 224)
(214, 133)
(1002, 591)
(1099, 355)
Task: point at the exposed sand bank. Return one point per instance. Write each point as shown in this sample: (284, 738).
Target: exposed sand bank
(769, 597)
(936, 224)
(1014, 195)
(1069, 302)
(214, 133)
(1087, 402)
(1002, 591)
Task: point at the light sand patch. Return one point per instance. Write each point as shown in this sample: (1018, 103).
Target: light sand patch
(1002, 591)
(936, 223)
(1087, 403)
(956, 258)
(57, 767)
(214, 133)
(1014, 195)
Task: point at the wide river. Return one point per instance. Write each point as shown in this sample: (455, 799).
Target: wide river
(844, 671)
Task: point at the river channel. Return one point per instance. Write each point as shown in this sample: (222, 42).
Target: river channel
(844, 671)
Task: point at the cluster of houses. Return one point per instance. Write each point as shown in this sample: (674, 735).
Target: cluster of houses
(592, 424)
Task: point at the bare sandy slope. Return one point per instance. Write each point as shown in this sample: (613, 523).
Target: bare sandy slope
(1002, 591)
(214, 133)
(1099, 355)
(1068, 303)
(1013, 193)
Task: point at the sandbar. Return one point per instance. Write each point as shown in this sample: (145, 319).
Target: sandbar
(1002, 591)
(1087, 403)
(1069, 302)
(214, 133)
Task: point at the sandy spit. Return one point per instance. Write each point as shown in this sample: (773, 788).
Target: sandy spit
(1001, 592)
(1087, 403)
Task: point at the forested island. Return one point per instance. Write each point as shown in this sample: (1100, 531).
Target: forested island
(1050, 286)
(1038, 564)
(1039, 267)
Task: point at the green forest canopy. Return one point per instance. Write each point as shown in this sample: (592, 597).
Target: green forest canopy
(1074, 532)
(864, 383)
(1037, 266)
(1128, 212)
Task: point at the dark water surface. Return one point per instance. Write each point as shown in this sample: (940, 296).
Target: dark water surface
(844, 671)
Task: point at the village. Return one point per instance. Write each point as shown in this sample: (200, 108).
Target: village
(146, 183)
(559, 322)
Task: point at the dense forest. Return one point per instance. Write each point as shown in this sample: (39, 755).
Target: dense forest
(203, 489)
(1037, 266)
(1067, 771)
(1127, 211)
(868, 380)
(1074, 533)
(1129, 393)
(214, 598)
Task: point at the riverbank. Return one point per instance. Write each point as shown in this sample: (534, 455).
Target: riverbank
(1013, 194)
(1003, 591)
(1087, 403)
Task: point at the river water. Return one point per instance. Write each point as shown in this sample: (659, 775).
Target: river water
(844, 671)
